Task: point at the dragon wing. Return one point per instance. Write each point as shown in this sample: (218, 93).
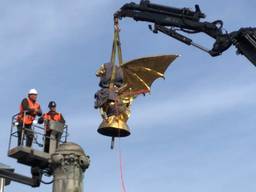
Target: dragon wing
(139, 74)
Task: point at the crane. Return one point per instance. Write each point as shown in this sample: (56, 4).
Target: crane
(171, 21)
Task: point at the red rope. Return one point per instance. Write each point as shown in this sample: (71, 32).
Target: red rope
(123, 188)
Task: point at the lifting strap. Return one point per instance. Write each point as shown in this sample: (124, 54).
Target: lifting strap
(115, 48)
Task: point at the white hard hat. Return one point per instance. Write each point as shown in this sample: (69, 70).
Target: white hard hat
(33, 91)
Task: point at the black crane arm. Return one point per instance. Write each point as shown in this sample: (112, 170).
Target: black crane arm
(169, 20)
(34, 181)
(169, 16)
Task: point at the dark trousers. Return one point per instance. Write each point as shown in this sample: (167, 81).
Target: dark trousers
(48, 140)
(27, 133)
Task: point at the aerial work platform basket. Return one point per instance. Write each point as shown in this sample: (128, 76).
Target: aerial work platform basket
(28, 156)
(35, 156)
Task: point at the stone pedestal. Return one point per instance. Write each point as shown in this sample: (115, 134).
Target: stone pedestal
(69, 162)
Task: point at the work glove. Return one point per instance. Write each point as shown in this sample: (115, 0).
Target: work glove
(40, 120)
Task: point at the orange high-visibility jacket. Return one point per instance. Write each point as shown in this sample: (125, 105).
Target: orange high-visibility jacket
(28, 119)
(55, 117)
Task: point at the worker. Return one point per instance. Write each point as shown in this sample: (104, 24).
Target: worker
(29, 109)
(54, 116)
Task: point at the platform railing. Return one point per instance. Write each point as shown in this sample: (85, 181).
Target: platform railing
(38, 131)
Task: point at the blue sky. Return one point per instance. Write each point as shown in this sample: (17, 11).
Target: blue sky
(195, 132)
